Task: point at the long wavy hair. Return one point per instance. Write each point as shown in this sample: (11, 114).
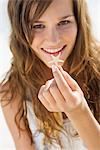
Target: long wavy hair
(27, 72)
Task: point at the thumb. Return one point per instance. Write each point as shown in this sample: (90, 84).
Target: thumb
(71, 82)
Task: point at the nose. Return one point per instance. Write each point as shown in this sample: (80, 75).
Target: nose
(53, 37)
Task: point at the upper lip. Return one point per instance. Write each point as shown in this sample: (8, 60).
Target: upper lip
(53, 49)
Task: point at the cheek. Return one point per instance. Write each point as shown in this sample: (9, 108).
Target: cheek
(70, 34)
(36, 41)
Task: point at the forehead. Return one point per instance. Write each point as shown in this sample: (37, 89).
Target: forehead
(57, 8)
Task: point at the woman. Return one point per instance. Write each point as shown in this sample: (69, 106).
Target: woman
(62, 103)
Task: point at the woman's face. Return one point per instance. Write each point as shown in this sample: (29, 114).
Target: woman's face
(55, 31)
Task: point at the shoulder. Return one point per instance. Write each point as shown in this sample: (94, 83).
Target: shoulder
(9, 111)
(3, 91)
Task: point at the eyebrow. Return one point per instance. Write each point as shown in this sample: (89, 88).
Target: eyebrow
(64, 17)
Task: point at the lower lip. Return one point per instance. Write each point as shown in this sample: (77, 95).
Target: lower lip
(55, 54)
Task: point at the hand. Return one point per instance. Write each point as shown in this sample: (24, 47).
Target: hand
(62, 93)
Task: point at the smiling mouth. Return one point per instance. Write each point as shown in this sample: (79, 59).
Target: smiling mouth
(54, 53)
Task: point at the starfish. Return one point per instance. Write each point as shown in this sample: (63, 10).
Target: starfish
(55, 59)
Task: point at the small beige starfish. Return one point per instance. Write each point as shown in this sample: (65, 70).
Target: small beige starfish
(55, 59)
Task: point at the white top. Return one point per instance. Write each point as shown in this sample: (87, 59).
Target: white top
(69, 142)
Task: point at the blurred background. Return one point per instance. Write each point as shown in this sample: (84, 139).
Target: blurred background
(5, 55)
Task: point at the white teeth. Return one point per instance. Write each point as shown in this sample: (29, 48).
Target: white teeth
(53, 50)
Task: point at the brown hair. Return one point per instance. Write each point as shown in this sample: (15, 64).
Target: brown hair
(28, 73)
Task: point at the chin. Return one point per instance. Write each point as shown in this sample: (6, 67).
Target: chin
(58, 64)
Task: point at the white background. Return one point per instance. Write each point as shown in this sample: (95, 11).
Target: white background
(5, 54)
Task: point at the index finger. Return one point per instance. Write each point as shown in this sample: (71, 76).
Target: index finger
(61, 83)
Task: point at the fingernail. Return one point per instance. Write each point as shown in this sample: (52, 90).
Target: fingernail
(54, 68)
(47, 85)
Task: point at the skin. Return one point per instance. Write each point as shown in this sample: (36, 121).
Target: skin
(62, 93)
(52, 35)
(56, 33)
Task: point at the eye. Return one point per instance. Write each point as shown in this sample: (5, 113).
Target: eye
(38, 26)
(64, 22)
